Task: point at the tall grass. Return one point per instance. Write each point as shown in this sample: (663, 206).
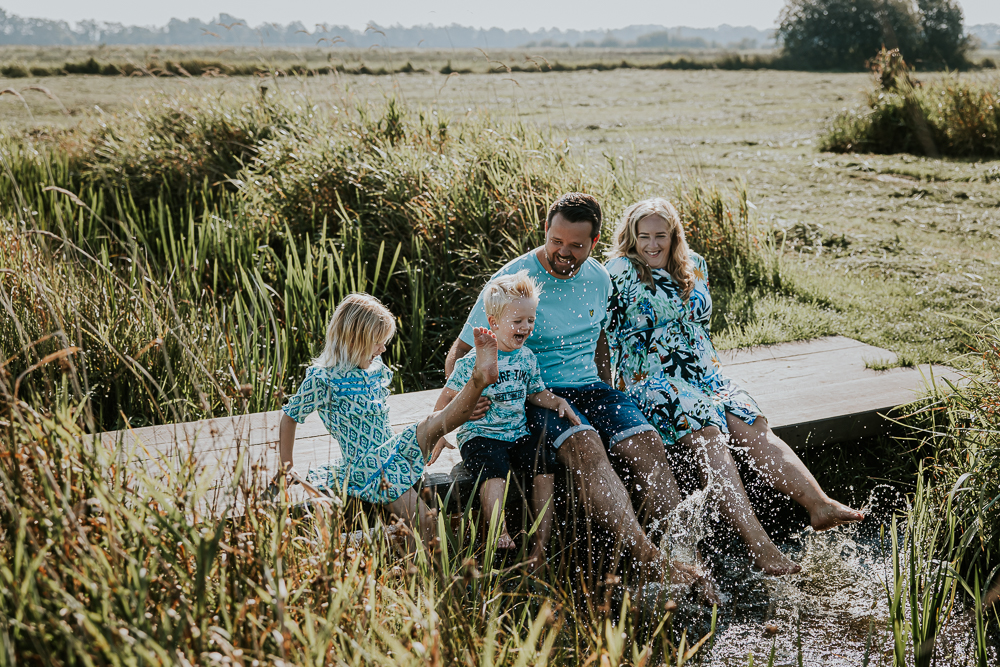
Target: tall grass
(953, 116)
(232, 228)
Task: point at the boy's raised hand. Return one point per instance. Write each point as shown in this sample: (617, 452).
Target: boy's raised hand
(566, 410)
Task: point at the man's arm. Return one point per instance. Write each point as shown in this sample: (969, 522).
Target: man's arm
(602, 357)
(458, 350)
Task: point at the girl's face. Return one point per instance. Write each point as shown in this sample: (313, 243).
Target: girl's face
(376, 351)
(653, 241)
(515, 325)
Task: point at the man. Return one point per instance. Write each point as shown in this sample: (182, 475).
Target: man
(572, 353)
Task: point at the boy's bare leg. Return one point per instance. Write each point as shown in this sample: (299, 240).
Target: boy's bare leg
(462, 406)
(491, 496)
(417, 515)
(714, 459)
(542, 494)
(786, 472)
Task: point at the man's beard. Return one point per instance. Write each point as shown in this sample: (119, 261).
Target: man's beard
(571, 261)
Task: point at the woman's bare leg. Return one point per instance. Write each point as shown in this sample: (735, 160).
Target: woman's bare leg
(456, 413)
(542, 493)
(417, 515)
(786, 472)
(714, 460)
(491, 495)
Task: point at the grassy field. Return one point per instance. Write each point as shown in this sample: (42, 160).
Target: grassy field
(893, 250)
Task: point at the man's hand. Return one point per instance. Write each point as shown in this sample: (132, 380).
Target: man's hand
(482, 407)
(439, 447)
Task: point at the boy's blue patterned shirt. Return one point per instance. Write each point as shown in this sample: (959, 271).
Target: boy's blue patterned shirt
(506, 419)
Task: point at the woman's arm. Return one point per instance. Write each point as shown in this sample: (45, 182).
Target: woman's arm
(286, 441)
(546, 399)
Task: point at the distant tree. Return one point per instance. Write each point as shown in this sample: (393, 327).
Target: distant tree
(943, 41)
(844, 34)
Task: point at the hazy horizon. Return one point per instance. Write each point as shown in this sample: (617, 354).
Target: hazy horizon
(513, 15)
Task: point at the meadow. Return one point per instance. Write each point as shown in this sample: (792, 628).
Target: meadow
(226, 215)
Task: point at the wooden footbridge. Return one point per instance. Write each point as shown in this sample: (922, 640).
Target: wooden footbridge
(814, 393)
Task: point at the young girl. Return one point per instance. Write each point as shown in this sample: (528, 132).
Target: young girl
(349, 385)
(499, 442)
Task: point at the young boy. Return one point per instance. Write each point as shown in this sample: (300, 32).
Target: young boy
(499, 441)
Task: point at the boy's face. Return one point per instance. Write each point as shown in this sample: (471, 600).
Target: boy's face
(515, 325)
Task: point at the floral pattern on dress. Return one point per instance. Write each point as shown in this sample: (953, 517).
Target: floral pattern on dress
(662, 355)
(378, 465)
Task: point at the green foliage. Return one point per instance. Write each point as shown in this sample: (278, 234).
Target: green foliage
(952, 116)
(843, 35)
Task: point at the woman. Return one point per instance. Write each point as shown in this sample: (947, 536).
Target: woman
(662, 356)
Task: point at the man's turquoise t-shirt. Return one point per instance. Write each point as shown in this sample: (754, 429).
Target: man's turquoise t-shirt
(571, 314)
(506, 419)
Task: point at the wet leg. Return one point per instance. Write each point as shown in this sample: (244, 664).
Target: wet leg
(648, 473)
(716, 465)
(786, 472)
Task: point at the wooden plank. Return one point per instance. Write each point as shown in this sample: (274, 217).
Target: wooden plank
(812, 393)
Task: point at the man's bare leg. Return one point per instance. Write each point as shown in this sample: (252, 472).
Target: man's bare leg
(714, 460)
(456, 413)
(649, 475)
(786, 472)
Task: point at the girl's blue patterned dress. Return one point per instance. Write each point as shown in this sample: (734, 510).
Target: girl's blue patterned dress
(378, 465)
(663, 357)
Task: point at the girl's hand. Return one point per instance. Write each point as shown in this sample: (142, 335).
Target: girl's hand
(439, 447)
(566, 411)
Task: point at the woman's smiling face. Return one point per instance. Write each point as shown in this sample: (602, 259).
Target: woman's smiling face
(653, 241)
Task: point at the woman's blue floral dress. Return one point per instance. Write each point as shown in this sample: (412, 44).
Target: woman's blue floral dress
(378, 465)
(662, 354)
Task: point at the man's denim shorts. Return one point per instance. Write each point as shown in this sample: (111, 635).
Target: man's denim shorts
(600, 408)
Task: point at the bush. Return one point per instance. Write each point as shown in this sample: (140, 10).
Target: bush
(952, 117)
(15, 71)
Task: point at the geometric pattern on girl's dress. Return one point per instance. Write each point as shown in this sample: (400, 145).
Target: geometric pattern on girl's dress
(662, 354)
(353, 405)
(380, 475)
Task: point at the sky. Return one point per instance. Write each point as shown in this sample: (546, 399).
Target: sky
(510, 14)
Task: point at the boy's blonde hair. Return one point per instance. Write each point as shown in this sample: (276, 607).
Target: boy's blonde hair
(499, 292)
(358, 324)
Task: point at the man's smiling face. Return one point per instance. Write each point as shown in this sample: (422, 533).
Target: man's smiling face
(567, 245)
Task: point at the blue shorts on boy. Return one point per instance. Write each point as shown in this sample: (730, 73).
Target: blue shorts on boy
(498, 442)
(378, 465)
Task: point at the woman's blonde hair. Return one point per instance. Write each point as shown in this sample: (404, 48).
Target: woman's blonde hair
(679, 264)
(358, 324)
(499, 292)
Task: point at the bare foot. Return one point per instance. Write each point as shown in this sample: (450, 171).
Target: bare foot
(535, 563)
(685, 574)
(504, 542)
(486, 371)
(775, 563)
(832, 514)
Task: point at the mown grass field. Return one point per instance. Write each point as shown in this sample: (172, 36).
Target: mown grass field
(220, 286)
(888, 249)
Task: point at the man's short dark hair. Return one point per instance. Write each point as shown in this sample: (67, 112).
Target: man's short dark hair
(578, 207)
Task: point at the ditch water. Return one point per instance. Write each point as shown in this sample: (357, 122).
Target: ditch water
(833, 613)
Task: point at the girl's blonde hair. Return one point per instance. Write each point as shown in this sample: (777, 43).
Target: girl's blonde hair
(499, 292)
(358, 324)
(679, 264)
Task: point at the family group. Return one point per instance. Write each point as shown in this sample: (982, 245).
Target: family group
(566, 364)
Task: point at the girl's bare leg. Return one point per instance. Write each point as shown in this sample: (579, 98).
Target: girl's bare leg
(786, 472)
(714, 460)
(541, 505)
(491, 496)
(461, 407)
(417, 515)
